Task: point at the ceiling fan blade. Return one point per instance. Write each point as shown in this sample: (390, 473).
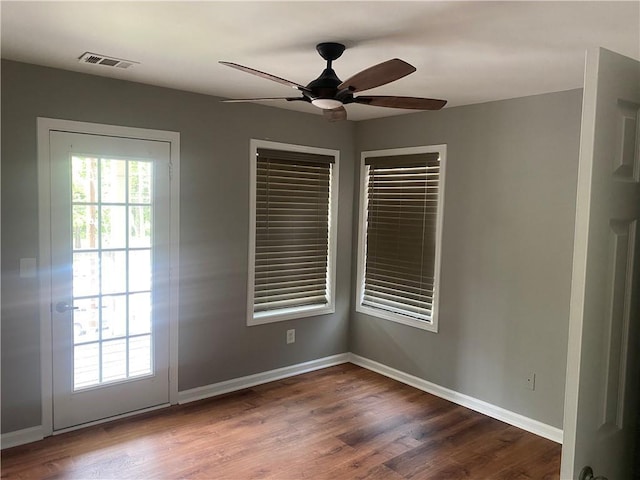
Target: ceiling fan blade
(263, 99)
(377, 75)
(268, 76)
(335, 114)
(414, 103)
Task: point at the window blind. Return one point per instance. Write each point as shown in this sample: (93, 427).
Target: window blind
(292, 229)
(402, 209)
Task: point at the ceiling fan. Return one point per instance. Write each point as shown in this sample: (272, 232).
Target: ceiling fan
(330, 94)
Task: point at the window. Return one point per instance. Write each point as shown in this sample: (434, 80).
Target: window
(292, 231)
(399, 235)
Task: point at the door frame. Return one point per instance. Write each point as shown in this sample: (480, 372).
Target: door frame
(44, 126)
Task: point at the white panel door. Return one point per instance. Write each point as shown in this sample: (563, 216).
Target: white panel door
(110, 275)
(601, 397)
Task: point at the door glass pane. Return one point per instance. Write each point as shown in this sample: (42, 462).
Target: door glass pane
(112, 271)
(86, 268)
(113, 226)
(85, 222)
(86, 320)
(140, 226)
(140, 182)
(139, 313)
(113, 181)
(114, 316)
(139, 270)
(140, 355)
(114, 360)
(84, 179)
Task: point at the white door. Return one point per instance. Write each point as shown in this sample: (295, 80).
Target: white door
(601, 396)
(110, 275)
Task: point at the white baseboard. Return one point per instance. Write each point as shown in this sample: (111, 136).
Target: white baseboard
(236, 384)
(20, 437)
(499, 413)
(34, 434)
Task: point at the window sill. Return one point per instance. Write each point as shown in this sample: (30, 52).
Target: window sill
(289, 314)
(430, 326)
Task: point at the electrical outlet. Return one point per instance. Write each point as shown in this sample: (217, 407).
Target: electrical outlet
(531, 381)
(291, 336)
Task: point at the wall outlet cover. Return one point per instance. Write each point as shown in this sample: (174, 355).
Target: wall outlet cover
(291, 336)
(531, 381)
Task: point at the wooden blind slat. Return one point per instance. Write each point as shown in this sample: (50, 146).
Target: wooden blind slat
(407, 163)
(292, 221)
(295, 159)
(402, 207)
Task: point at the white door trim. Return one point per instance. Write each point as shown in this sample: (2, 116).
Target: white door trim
(44, 126)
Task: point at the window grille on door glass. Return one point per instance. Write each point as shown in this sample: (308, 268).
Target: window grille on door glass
(112, 235)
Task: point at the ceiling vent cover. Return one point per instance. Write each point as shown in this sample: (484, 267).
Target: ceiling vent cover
(97, 59)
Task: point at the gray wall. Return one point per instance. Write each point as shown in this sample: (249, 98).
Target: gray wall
(508, 234)
(215, 343)
(506, 251)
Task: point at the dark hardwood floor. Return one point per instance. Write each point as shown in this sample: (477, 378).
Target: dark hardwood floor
(343, 422)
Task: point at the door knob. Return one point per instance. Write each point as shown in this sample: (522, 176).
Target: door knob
(587, 474)
(62, 307)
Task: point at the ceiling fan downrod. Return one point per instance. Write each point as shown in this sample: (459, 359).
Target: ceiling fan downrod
(324, 88)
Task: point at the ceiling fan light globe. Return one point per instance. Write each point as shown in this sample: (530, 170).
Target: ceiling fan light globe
(327, 103)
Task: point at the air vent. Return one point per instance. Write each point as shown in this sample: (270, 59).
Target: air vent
(96, 59)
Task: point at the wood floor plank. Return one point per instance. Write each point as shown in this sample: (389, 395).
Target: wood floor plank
(342, 422)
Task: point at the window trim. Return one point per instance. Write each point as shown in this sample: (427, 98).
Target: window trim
(304, 311)
(429, 325)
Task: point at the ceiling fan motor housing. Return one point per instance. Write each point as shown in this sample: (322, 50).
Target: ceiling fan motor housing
(326, 85)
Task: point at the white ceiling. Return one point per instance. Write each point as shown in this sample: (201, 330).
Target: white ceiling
(465, 52)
